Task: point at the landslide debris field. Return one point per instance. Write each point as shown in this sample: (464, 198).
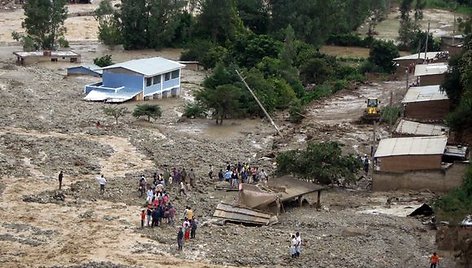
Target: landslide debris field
(46, 127)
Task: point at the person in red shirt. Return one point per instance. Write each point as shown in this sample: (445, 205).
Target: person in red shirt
(434, 260)
(143, 217)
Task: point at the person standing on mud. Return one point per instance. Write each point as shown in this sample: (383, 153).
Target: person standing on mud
(102, 181)
(210, 173)
(298, 247)
(143, 218)
(180, 239)
(434, 260)
(191, 177)
(61, 175)
(193, 230)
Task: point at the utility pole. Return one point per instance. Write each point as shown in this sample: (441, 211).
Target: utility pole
(260, 105)
(427, 39)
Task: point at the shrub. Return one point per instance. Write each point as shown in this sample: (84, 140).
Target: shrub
(150, 110)
(296, 111)
(194, 110)
(390, 114)
(456, 204)
(103, 61)
(319, 162)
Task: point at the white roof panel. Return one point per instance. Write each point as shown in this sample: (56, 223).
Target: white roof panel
(421, 56)
(420, 129)
(424, 93)
(411, 146)
(148, 66)
(430, 69)
(121, 95)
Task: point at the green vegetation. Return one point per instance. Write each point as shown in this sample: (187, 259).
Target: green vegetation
(456, 204)
(115, 112)
(43, 23)
(194, 110)
(148, 110)
(390, 114)
(319, 162)
(381, 57)
(108, 24)
(103, 61)
(458, 86)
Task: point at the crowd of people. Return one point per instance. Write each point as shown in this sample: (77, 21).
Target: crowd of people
(159, 209)
(240, 173)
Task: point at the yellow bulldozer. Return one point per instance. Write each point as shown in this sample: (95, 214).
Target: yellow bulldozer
(372, 112)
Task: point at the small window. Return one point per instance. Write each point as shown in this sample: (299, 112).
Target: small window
(149, 81)
(167, 76)
(175, 74)
(156, 79)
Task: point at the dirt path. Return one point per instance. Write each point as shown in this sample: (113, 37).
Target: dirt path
(79, 231)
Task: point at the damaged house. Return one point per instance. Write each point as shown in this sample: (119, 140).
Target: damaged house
(426, 103)
(137, 80)
(430, 74)
(260, 204)
(418, 163)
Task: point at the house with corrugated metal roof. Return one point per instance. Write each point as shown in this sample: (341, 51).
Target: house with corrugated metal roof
(430, 74)
(426, 103)
(418, 163)
(137, 80)
(407, 128)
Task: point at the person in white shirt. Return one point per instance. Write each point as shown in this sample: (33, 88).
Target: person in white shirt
(299, 244)
(293, 245)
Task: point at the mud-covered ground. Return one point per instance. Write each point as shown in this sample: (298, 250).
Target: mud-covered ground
(45, 127)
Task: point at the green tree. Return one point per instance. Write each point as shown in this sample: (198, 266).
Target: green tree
(115, 112)
(319, 162)
(410, 26)
(248, 50)
(150, 110)
(166, 20)
(44, 21)
(219, 20)
(109, 32)
(382, 53)
(134, 22)
(223, 100)
(254, 14)
(103, 61)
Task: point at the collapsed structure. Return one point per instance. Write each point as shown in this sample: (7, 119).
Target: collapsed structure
(260, 204)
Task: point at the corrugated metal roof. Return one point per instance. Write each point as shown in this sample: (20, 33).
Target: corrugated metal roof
(148, 66)
(424, 93)
(430, 69)
(420, 129)
(411, 146)
(92, 67)
(429, 55)
(121, 95)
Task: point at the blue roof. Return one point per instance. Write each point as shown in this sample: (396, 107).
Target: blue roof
(148, 66)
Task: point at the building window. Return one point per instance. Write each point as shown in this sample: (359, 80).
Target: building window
(156, 79)
(167, 76)
(175, 74)
(149, 81)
